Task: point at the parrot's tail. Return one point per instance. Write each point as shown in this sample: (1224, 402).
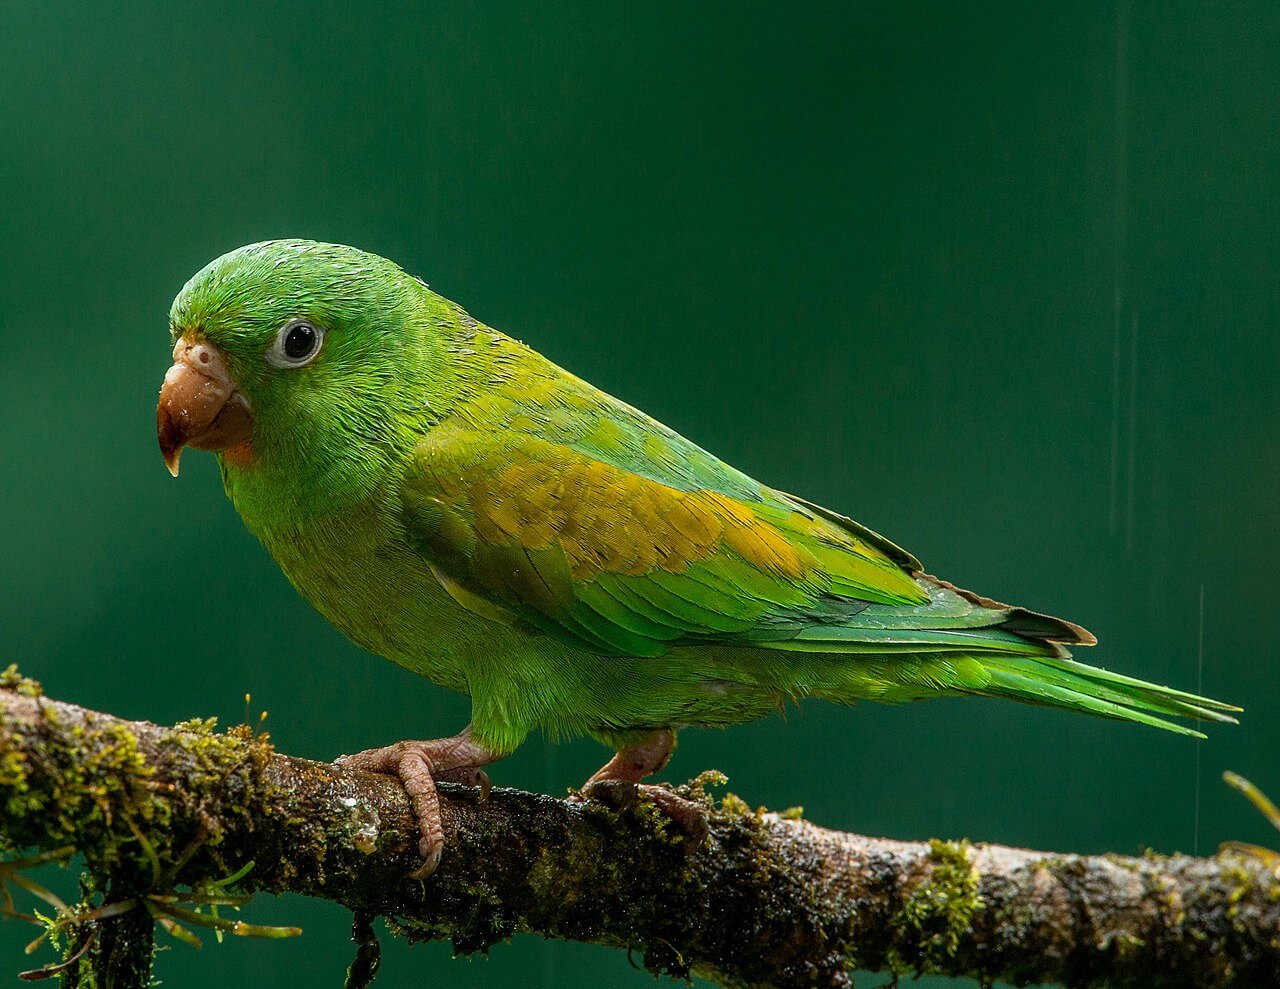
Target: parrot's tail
(1061, 682)
(961, 643)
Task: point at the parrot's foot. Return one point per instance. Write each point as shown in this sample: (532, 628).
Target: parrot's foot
(618, 784)
(688, 815)
(419, 766)
(472, 776)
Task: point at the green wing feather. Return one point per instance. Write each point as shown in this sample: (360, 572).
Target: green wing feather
(611, 533)
(522, 528)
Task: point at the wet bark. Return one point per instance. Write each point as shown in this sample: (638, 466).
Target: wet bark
(764, 901)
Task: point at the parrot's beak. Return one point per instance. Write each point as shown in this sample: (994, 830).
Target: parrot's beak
(200, 405)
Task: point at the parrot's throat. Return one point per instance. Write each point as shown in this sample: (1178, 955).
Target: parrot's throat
(292, 485)
(240, 455)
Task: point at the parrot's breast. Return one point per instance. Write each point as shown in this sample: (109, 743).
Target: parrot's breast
(359, 571)
(355, 567)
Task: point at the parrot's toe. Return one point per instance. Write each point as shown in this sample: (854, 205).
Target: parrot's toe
(472, 776)
(419, 765)
(618, 794)
(688, 815)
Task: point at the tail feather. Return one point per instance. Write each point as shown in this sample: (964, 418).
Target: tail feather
(959, 642)
(1065, 683)
(1195, 705)
(1054, 678)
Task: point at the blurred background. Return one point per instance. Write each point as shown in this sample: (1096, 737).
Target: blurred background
(999, 283)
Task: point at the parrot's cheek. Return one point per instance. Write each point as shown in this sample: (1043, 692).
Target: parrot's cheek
(200, 405)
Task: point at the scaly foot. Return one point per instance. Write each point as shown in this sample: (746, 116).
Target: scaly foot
(419, 765)
(688, 815)
(618, 784)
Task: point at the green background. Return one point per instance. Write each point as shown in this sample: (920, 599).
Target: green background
(1000, 284)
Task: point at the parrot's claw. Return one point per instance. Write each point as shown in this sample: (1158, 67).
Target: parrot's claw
(418, 766)
(431, 855)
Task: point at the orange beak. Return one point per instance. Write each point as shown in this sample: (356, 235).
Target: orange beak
(200, 405)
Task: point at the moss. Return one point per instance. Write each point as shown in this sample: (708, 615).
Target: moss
(699, 785)
(734, 806)
(573, 873)
(76, 778)
(100, 792)
(11, 679)
(19, 800)
(197, 726)
(938, 910)
(579, 884)
(1240, 881)
(213, 756)
(94, 783)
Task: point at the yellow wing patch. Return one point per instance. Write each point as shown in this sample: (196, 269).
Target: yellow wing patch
(608, 520)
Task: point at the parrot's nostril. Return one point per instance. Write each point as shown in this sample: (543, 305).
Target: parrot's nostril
(202, 358)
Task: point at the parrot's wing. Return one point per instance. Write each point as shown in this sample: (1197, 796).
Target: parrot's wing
(631, 560)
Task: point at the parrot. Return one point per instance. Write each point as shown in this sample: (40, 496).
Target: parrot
(453, 501)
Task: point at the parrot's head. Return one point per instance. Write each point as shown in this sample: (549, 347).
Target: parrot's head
(291, 352)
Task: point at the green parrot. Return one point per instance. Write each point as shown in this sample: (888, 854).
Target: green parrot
(453, 501)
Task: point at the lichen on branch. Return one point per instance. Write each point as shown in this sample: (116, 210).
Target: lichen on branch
(766, 900)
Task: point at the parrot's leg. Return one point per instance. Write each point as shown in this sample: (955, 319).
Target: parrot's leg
(619, 782)
(419, 766)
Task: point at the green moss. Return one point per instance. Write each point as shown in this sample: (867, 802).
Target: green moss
(100, 792)
(938, 910)
(1240, 880)
(573, 872)
(19, 800)
(88, 781)
(734, 806)
(90, 784)
(703, 781)
(11, 679)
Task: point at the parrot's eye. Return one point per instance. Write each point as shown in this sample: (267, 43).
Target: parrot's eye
(296, 344)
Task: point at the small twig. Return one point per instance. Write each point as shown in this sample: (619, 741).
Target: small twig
(364, 967)
(48, 971)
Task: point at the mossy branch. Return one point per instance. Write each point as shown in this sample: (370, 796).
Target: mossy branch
(766, 900)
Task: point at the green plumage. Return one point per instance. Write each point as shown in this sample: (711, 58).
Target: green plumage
(454, 502)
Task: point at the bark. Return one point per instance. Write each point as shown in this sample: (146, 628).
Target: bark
(764, 901)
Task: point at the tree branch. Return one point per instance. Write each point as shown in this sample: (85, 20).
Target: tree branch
(765, 901)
